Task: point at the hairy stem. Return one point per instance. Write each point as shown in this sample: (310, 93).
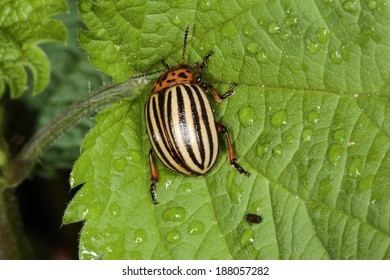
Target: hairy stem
(28, 156)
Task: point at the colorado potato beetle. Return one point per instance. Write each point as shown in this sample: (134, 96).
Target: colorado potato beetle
(180, 122)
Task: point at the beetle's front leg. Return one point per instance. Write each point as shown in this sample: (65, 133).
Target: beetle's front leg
(232, 157)
(218, 98)
(153, 177)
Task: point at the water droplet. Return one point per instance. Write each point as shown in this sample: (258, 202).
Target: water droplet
(248, 29)
(336, 57)
(338, 135)
(273, 28)
(173, 236)
(312, 47)
(114, 209)
(176, 20)
(205, 5)
(290, 21)
(351, 6)
(355, 168)
(196, 227)
(366, 183)
(329, 2)
(235, 192)
(323, 35)
(334, 153)
(279, 119)
(252, 47)
(246, 238)
(261, 149)
(228, 31)
(312, 117)
(262, 56)
(278, 150)
(285, 35)
(246, 116)
(134, 156)
(256, 206)
(140, 236)
(175, 214)
(120, 164)
(307, 134)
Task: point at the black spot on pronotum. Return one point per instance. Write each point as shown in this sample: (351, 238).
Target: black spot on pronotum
(183, 75)
(253, 218)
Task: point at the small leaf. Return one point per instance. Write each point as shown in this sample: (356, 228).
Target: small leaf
(309, 121)
(24, 25)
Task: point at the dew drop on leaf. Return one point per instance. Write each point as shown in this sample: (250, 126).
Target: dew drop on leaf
(323, 35)
(114, 209)
(175, 214)
(252, 47)
(273, 28)
(312, 47)
(173, 236)
(279, 119)
(336, 57)
(235, 192)
(205, 5)
(334, 153)
(351, 6)
(176, 20)
(338, 135)
(307, 134)
(248, 29)
(278, 150)
(246, 115)
(246, 238)
(262, 56)
(285, 35)
(355, 168)
(140, 236)
(312, 117)
(290, 20)
(195, 227)
(261, 149)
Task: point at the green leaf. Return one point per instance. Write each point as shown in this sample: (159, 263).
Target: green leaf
(72, 78)
(24, 24)
(309, 121)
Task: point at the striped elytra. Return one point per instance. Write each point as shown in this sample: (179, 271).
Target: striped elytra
(180, 122)
(181, 127)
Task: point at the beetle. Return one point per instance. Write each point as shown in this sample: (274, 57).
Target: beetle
(253, 218)
(180, 122)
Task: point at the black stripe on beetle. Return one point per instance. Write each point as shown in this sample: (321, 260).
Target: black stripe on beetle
(180, 122)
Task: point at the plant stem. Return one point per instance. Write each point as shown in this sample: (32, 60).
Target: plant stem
(28, 156)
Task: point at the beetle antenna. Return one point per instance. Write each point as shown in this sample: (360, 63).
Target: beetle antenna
(144, 75)
(185, 43)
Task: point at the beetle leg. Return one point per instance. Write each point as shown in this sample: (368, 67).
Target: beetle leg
(153, 177)
(218, 98)
(232, 157)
